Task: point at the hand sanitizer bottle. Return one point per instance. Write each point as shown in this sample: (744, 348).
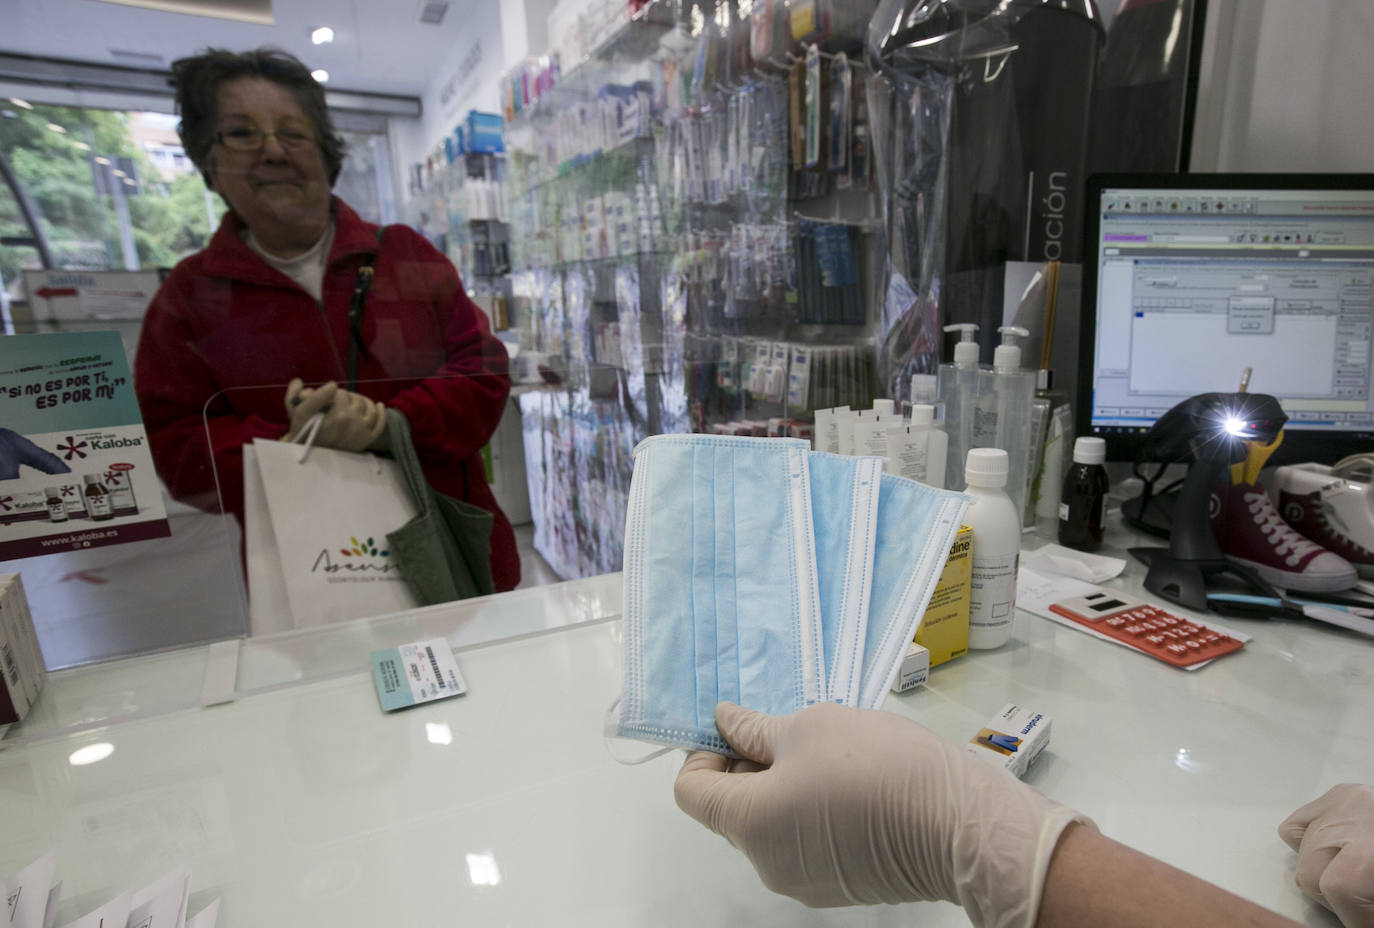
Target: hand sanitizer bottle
(1003, 413)
(958, 385)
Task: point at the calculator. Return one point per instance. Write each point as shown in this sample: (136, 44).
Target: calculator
(1134, 622)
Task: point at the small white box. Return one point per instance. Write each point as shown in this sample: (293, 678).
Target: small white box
(915, 669)
(1012, 739)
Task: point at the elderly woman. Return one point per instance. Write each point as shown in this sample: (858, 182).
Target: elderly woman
(297, 305)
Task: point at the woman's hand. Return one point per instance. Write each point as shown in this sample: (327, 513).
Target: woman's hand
(351, 422)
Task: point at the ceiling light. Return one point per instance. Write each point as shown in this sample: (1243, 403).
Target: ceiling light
(22, 104)
(101, 159)
(322, 35)
(82, 146)
(56, 128)
(321, 75)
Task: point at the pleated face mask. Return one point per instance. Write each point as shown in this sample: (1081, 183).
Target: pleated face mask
(721, 596)
(916, 526)
(844, 513)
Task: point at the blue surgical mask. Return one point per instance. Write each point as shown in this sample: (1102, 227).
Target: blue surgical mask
(721, 597)
(844, 512)
(917, 525)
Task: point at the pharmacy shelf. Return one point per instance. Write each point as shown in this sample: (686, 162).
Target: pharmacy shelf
(635, 40)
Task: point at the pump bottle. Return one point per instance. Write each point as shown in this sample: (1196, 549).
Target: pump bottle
(1002, 418)
(996, 526)
(958, 385)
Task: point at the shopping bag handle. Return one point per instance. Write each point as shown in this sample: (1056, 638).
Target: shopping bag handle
(306, 436)
(306, 439)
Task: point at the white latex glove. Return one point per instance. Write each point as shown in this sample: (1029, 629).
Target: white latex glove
(836, 806)
(1334, 838)
(352, 422)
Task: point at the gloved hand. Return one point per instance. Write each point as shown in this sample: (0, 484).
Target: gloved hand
(837, 805)
(1334, 838)
(352, 422)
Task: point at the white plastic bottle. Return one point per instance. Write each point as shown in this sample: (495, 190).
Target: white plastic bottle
(871, 434)
(937, 444)
(996, 528)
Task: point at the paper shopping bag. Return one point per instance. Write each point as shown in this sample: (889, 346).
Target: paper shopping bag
(268, 606)
(330, 512)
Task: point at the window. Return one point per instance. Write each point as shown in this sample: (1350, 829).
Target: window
(114, 190)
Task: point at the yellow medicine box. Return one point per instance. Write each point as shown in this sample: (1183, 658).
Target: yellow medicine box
(944, 627)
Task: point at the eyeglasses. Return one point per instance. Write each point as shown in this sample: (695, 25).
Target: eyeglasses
(251, 139)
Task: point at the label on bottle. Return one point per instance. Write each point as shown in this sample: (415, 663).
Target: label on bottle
(1063, 511)
(992, 590)
(57, 510)
(911, 453)
(98, 502)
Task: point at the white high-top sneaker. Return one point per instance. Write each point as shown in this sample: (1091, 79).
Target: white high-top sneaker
(1332, 506)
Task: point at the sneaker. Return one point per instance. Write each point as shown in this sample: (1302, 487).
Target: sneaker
(1252, 533)
(1331, 507)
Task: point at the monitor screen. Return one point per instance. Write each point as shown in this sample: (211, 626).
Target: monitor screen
(1190, 279)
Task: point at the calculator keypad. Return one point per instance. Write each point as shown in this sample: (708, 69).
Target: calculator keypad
(1169, 638)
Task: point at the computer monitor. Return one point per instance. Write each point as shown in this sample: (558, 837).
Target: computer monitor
(1188, 279)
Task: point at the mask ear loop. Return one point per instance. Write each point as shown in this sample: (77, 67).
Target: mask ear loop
(609, 724)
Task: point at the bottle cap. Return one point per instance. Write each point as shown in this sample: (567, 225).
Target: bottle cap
(924, 388)
(91, 478)
(986, 467)
(884, 407)
(1088, 450)
(50, 491)
(922, 414)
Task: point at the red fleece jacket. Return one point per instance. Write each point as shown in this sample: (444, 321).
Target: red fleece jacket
(226, 332)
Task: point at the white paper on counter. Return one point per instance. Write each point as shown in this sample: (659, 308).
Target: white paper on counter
(111, 914)
(206, 917)
(26, 893)
(163, 903)
(53, 895)
(1057, 559)
(1035, 591)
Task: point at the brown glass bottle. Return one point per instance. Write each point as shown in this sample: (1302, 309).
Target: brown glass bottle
(1083, 505)
(97, 499)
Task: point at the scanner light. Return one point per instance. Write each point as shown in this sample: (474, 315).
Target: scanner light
(1236, 426)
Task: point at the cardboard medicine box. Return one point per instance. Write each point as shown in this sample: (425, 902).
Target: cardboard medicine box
(944, 626)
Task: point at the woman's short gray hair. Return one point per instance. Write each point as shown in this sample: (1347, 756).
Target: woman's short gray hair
(198, 79)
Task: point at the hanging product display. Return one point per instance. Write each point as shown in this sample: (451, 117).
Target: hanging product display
(981, 112)
(672, 273)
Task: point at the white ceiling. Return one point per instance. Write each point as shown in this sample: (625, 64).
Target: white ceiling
(380, 46)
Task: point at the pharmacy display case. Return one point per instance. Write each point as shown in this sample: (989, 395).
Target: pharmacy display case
(692, 239)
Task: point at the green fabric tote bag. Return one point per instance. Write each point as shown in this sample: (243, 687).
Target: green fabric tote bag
(445, 552)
